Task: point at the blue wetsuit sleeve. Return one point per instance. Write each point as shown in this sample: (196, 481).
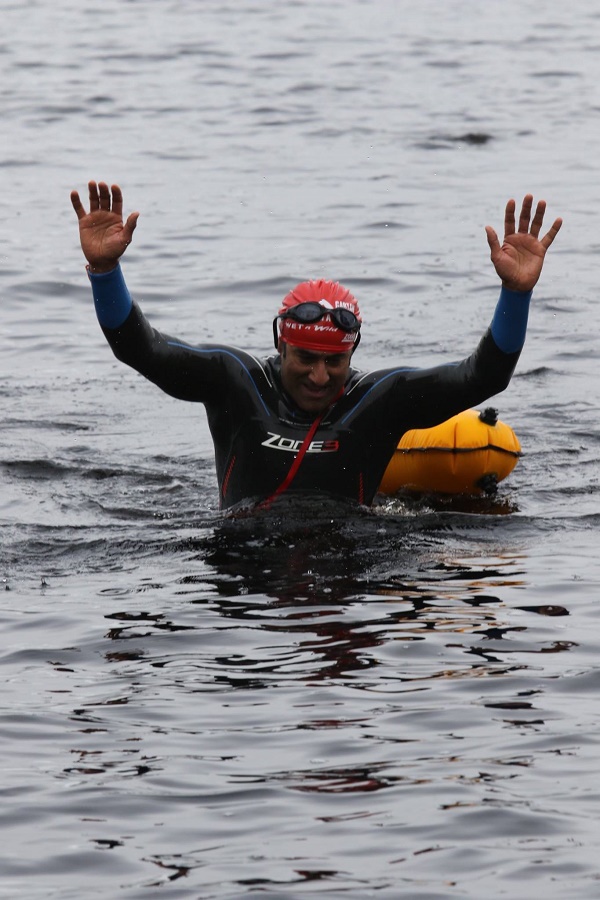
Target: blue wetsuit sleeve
(112, 299)
(509, 323)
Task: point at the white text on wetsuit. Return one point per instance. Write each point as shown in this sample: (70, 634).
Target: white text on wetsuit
(278, 442)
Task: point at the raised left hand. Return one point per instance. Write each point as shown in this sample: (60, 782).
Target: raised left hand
(519, 260)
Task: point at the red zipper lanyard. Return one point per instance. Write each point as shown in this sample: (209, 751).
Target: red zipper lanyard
(265, 504)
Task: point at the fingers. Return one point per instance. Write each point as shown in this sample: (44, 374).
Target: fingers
(77, 204)
(117, 200)
(104, 196)
(548, 238)
(537, 221)
(527, 225)
(129, 226)
(492, 239)
(525, 216)
(93, 194)
(538, 218)
(101, 197)
(509, 218)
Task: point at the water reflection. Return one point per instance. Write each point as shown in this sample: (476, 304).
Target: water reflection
(384, 605)
(344, 660)
(375, 600)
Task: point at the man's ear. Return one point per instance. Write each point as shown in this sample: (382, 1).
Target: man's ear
(281, 347)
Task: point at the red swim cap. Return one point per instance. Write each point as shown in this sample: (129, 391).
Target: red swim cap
(323, 336)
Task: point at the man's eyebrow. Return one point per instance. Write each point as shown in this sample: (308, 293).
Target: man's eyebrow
(310, 355)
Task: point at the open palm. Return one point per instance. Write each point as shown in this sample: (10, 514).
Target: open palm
(103, 234)
(520, 258)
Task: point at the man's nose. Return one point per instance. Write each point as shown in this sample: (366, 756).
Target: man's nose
(318, 373)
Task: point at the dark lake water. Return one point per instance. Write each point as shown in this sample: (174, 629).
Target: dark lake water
(313, 702)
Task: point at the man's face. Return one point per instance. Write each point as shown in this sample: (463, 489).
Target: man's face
(313, 380)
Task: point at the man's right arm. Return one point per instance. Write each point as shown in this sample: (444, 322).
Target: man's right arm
(180, 369)
(112, 299)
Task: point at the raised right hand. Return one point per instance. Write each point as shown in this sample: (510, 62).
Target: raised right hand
(103, 235)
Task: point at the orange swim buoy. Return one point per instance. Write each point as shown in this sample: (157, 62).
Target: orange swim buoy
(467, 454)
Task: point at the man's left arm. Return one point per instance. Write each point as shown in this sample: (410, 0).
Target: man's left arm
(433, 395)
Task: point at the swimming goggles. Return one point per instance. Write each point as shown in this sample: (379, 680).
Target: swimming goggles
(308, 313)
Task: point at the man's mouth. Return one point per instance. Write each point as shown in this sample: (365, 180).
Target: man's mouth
(316, 391)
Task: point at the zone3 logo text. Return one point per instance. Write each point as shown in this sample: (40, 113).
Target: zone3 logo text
(278, 442)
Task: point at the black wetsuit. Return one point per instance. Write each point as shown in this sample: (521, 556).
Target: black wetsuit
(256, 428)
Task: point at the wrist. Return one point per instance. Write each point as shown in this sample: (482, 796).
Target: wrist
(516, 289)
(102, 269)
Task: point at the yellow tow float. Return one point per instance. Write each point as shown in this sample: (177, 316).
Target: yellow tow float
(467, 454)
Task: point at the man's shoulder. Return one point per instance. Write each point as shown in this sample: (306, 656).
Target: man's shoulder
(369, 377)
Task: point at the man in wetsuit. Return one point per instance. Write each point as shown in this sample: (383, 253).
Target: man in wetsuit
(304, 420)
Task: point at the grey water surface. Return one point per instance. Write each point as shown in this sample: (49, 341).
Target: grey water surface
(316, 701)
